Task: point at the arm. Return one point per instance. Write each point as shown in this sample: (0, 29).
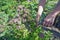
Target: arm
(40, 10)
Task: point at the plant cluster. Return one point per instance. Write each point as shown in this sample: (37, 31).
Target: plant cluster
(22, 30)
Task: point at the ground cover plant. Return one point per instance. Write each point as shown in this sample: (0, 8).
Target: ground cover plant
(17, 20)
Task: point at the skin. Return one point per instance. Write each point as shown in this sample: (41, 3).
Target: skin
(40, 10)
(49, 20)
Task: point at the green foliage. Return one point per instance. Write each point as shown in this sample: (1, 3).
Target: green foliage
(8, 11)
(24, 34)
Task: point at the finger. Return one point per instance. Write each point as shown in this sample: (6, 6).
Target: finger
(46, 23)
(50, 24)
